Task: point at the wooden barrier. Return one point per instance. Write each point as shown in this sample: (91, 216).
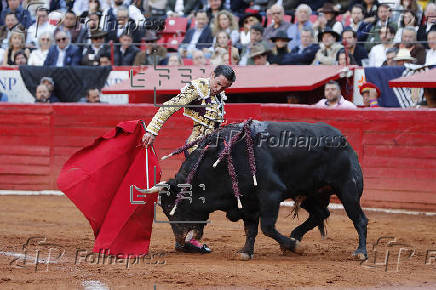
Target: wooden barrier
(396, 148)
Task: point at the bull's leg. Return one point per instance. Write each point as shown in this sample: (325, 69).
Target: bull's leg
(318, 212)
(251, 229)
(350, 198)
(269, 214)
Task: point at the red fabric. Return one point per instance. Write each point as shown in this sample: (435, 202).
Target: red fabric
(97, 179)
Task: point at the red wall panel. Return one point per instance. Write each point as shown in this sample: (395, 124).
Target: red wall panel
(396, 148)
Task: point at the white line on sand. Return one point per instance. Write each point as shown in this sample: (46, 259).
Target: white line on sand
(286, 203)
(29, 259)
(383, 210)
(94, 285)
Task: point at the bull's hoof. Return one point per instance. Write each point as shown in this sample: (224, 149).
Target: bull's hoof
(245, 256)
(299, 248)
(361, 256)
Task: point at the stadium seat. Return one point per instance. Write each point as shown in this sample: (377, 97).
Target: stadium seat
(175, 26)
(187, 61)
(313, 18)
(174, 42)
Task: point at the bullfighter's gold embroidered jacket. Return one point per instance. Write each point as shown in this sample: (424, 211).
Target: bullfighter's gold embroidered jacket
(206, 117)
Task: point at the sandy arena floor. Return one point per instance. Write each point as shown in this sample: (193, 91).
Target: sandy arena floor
(326, 263)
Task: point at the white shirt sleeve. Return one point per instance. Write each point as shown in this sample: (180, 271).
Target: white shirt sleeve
(136, 15)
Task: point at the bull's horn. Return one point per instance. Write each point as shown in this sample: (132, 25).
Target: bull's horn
(154, 189)
(254, 180)
(216, 163)
(173, 210)
(239, 203)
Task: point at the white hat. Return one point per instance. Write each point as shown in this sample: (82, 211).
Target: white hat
(404, 54)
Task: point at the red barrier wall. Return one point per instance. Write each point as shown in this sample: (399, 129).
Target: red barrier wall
(396, 148)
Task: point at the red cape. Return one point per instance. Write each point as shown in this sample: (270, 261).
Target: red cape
(97, 179)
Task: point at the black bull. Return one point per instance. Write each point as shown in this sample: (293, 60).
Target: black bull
(302, 161)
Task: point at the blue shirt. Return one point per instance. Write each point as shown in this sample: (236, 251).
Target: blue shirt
(294, 33)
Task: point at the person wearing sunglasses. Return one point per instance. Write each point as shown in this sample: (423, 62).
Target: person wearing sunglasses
(63, 53)
(38, 56)
(40, 26)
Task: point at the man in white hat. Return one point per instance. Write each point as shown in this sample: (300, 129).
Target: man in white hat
(404, 57)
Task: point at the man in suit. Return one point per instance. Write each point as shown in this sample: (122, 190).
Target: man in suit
(63, 53)
(430, 16)
(305, 52)
(199, 37)
(349, 40)
(126, 53)
(124, 23)
(23, 15)
(91, 55)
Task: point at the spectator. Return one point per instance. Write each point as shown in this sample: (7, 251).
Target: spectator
(49, 83)
(84, 35)
(226, 58)
(302, 20)
(370, 94)
(221, 47)
(403, 57)
(71, 25)
(304, 54)
(16, 43)
(125, 53)
(105, 59)
(153, 51)
(246, 22)
(224, 21)
(92, 96)
(40, 26)
(408, 40)
(63, 53)
(259, 55)
(198, 57)
(328, 48)
(391, 53)
(349, 40)
(61, 5)
(20, 58)
(124, 24)
(38, 56)
(256, 32)
(42, 94)
(3, 97)
(327, 18)
(383, 16)
(410, 6)
(214, 6)
(378, 53)
(11, 22)
(174, 59)
(94, 6)
(357, 17)
(370, 10)
(344, 58)
(22, 14)
(431, 52)
(430, 21)
(109, 15)
(333, 97)
(408, 19)
(279, 24)
(280, 48)
(199, 37)
(91, 54)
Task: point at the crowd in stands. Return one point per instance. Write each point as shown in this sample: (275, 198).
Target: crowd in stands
(258, 32)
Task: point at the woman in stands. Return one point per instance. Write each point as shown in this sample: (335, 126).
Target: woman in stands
(403, 7)
(342, 59)
(224, 21)
(407, 19)
(246, 22)
(174, 59)
(16, 43)
(38, 56)
(221, 47)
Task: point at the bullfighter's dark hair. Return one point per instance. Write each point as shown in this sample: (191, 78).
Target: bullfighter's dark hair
(226, 71)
